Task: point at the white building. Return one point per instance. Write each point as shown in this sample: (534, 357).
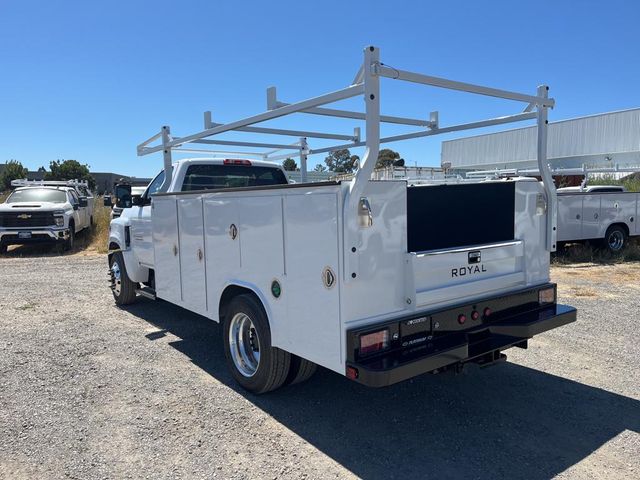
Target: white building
(601, 140)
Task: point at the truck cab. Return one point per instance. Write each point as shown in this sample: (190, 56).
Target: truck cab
(45, 212)
(131, 232)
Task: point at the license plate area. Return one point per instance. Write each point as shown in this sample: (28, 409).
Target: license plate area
(24, 235)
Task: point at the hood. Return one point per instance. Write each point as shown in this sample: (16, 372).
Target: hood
(31, 206)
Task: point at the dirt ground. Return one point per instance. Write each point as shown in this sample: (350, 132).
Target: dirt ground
(91, 391)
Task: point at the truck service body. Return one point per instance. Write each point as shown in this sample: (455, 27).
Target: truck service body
(376, 280)
(604, 213)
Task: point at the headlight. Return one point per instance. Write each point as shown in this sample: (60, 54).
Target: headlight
(59, 221)
(58, 215)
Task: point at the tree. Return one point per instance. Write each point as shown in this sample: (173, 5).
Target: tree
(13, 170)
(290, 165)
(69, 170)
(388, 158)
(341, 161)
(320, 168)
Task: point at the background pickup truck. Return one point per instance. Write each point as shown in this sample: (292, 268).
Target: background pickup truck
(45, 212)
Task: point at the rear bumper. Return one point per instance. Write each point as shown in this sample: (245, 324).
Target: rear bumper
(38, 235)
(481, 344)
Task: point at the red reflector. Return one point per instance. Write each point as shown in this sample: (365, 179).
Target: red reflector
(462, 318)
(374, 342)
(487, 312)
(475, 315)
(352, 373)
(236, 161)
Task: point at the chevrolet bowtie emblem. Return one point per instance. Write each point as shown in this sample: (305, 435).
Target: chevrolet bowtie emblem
(24, 216)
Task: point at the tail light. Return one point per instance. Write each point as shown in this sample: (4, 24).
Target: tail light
(547, 295)
(462, 318)
(236, 161)
(374, 342)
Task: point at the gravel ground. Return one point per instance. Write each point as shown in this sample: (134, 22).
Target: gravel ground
(91, 391)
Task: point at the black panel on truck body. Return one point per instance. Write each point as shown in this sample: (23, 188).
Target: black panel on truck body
(450, 216)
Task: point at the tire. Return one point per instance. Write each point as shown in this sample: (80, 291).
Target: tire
(254, 363)
(71, 241)
(300, 370)
(3, 249)
(123, 289)
(615, 239)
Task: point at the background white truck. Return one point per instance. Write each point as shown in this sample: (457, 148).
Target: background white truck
(375, 280)
(606, 213)
(45, 212)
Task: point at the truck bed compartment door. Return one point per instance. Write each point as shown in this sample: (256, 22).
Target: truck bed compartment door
(166, 247)
(192, 254)
(222, 245)
(569, 217)
(591, 218)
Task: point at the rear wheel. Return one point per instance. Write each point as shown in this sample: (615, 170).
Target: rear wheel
(615, 239)
(300, 371)
(123, 289)
(253, 362)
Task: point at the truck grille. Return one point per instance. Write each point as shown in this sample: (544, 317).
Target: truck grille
(26, 219)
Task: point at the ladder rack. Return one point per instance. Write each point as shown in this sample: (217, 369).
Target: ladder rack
(365, 85)
(49, 183)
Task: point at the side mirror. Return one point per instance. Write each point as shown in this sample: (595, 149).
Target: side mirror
(107, 201)
(137, 200)
(83, 201)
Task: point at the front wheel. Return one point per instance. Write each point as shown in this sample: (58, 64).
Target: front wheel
(615, 239)
(123, 289)
(253, 362)
(3, 249)
(71, 241)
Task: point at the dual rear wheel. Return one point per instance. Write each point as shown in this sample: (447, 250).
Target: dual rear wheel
(254, 363)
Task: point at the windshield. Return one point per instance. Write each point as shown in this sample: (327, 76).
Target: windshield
(206, 176)
(38, 195)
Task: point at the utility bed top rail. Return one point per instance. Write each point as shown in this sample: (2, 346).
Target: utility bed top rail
(366, 84)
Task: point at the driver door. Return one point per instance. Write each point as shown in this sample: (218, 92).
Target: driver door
(141, 231)
(77, 211)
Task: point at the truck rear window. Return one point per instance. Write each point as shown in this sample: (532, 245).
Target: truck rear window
(208, 177)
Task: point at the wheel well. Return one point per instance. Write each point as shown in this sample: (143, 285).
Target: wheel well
(624, 226)
(229, 294)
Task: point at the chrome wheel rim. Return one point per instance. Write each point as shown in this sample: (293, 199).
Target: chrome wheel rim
(244, 344)
(616, 240)
(116, 278)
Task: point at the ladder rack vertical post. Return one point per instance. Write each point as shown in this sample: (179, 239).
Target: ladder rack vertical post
(304, 151)
(166, 155)
(545, 171)
(363, 175)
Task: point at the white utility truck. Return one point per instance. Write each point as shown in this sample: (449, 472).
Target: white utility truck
(45, 212)
(604, 213)
(375, 280)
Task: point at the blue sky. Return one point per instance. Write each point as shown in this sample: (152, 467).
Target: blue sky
(90, 80)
